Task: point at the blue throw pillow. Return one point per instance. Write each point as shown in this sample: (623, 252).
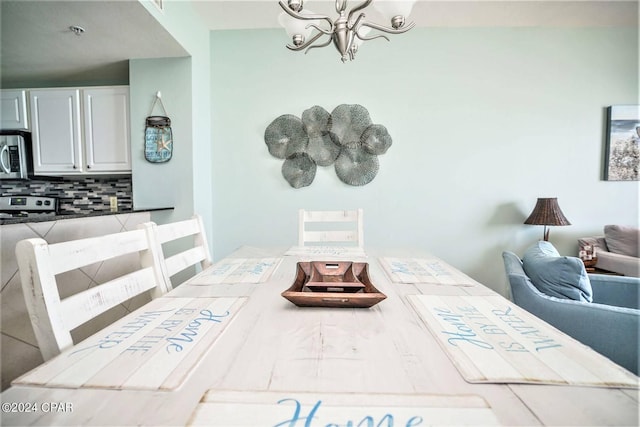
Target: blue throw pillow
(555, 275)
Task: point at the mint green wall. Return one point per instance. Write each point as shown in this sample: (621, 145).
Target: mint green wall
(162, 184)
(483, 120)
(185, 181)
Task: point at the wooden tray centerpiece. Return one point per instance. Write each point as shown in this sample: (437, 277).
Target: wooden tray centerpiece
(333, 284)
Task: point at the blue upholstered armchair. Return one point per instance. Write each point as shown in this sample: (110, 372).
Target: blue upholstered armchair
(610, 324)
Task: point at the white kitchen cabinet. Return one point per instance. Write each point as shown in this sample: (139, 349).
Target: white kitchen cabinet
(56, 133)
(81, 130)
(106, 129)
(13, 109)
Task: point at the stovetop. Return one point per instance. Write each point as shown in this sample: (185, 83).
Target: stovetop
(27, 206)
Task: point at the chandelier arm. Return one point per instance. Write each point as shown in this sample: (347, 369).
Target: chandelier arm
(389, 30)
(377, 36)
(308, 43)
(353, 33)
(306, 17)
(318, 45)
(322, 30)
(359, 7)
(358, 23)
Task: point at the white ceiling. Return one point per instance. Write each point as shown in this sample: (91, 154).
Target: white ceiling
(37, 45)
(244, 14)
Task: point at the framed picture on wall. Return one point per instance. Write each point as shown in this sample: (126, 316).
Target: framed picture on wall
(622, 151)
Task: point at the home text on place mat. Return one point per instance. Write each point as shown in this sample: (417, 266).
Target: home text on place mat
(238, 270)
(154, 348)
(281, 409)
(489, 339)
(424, 270)
(338, 251)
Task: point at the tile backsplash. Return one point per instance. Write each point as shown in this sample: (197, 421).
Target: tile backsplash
(75, 195)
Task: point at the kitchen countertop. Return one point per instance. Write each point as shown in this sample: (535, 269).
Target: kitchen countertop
(22, 220)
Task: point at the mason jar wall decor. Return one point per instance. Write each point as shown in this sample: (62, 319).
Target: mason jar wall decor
(346, 138)
(158, 137)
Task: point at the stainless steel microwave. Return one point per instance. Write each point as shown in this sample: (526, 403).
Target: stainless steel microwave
(16, 159)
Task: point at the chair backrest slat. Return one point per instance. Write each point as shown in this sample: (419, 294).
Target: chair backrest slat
(79, 308)
(308, 233)
(179, 262)
(177, 230)
(74, 254)
(171, 232)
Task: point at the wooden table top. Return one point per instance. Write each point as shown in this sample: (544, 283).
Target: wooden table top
(226, 348)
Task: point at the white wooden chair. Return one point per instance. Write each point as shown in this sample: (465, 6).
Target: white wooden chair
(331, 227)
(172, 232)
(53, 318)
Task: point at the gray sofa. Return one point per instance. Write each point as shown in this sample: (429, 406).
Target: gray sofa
(617, 251)
(610, 324)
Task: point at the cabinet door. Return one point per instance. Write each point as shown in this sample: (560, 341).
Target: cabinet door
(13, 109)
(55, 126)
(106, 129)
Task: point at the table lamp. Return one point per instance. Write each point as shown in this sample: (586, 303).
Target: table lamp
(547, 212)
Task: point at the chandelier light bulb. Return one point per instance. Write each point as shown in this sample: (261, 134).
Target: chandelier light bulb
(295, 5)
(392, 8)
(397, 21)
(297, 39)
(296, 29)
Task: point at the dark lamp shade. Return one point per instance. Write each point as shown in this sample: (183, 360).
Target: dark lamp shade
(547, 212)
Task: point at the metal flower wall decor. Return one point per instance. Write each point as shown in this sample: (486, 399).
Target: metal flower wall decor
(346, 138)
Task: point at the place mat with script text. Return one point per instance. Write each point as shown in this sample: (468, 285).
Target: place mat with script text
(326, 251)
(237, 270)
(153, 348)
(246, 408)
(491, 340)
(424, 270)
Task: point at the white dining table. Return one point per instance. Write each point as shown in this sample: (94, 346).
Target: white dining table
(226, 348)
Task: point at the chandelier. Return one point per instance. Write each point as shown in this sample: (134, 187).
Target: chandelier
(347, 32)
